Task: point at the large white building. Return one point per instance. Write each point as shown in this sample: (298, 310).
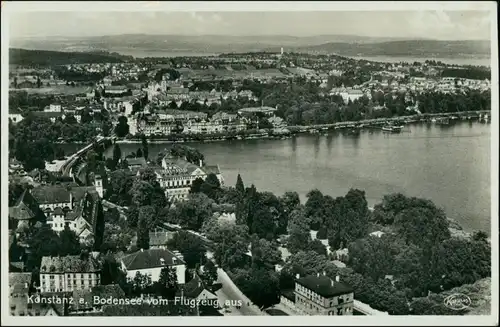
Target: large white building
(67, 274)
(351, 95)
(177, 175)
(177, 121)
(54, 107)
(77, 208)
(151, 262)
(321, 296)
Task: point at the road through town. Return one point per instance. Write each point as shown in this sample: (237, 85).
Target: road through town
(229, 292)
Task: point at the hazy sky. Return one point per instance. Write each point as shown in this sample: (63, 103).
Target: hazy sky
(443, 25)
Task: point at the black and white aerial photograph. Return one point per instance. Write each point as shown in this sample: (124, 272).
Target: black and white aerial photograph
(196, 162)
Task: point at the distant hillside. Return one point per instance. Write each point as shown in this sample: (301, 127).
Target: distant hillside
(185, 43)
(345, 45)
(412, 48)
(45, 58)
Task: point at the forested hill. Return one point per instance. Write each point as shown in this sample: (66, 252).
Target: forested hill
(415, 48)
(46, 58)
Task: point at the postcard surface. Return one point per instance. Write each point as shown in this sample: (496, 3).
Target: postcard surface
(249, 163)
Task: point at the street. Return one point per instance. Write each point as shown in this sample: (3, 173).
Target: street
(229, 292)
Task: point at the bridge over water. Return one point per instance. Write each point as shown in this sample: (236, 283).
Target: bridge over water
(66, 167)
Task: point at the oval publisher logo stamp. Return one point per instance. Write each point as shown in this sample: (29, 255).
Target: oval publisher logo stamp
(457, 302)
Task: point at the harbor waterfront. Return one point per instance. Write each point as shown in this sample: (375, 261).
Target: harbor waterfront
(424, 160)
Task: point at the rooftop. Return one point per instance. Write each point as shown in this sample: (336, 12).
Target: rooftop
(257, 109)
(116, 88)
(211, 170)
(26, 208)
(151, 258)
(67, 264)
(324, 285)
(289, 294)
(19, 282)
(194, 287)
(137, 161)
(51, 194)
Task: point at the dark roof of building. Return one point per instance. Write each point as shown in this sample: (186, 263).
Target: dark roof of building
(26, 208)
(51, 194)
(70, 263)
(90, 207)
(211, 170)
(257, 109)
(194, 287)
(151, 258)
(58, 211)
(48, 114)
(289, 294)
(73, 215)
(79, 191)
(324, 286)
(137, 161)
(116, 88)
(19, 282)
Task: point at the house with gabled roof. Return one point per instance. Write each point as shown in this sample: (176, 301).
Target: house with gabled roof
(53, 196)
(26, 211)
(151, 262)
(78, 208)
(87, 221)
(196, 289)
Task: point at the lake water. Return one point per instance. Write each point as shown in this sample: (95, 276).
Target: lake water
(449, 165)
(142, 53)
(452, 61)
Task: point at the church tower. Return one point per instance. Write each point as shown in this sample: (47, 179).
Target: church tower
(98, 185)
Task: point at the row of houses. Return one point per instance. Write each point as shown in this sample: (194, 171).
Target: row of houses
(165, 92)
(58, 110)
(68, 285)
(78, 208)
(166, 123)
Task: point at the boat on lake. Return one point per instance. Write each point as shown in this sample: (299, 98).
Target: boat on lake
(392, 128)
(443, 121)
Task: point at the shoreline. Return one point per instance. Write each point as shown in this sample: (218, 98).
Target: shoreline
(294, 130)
(169, 141)
(263, 136)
